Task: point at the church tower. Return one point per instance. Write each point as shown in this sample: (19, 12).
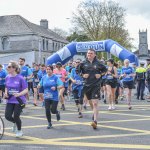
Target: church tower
(143, 44)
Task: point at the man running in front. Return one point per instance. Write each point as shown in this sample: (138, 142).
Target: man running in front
(92, 70)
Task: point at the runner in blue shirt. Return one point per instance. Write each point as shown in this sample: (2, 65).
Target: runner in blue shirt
(3, 75)
(119, 90)
(36, 80)
(51, 83)
(77, 86)
(103, 84)
(128, 74)
(25, 71)
(41, 73)
(68, 88)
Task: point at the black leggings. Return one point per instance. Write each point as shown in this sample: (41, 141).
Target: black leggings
(16, 110)
(50, 106)
(30, 86)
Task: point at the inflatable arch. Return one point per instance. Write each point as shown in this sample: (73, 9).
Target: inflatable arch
(110, 46)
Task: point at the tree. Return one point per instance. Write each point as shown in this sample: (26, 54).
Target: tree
(102, 20)
(77, 37)
(88, 19)
(114, 24)
(60, 32)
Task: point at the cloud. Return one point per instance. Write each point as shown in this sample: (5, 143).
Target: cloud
(136, 7)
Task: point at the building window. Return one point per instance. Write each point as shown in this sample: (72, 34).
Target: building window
(56, 47)
(5, 43)
(47, 45)
(59, 47)
(44, 60)
(43, 44)
(53, 46)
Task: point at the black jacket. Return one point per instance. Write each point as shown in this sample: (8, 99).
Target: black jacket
(86, 67)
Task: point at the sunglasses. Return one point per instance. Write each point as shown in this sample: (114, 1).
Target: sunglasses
(9, 67)
(77, 62)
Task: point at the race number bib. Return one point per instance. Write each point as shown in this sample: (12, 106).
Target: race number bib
(48, 95)
(59, 75)
(109, 77)
(78, 82)
(12, 91)
(36, 80)
(128, 76)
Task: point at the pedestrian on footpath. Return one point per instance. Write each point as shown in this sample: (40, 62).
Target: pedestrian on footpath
(92, 70)
(140, 77)
(16, 88)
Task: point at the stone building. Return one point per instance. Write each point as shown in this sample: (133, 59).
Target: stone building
(143, 52)
(21, 38)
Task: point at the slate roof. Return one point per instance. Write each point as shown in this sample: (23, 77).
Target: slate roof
(17, 25)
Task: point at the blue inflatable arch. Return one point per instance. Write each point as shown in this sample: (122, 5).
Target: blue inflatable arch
(110, 46)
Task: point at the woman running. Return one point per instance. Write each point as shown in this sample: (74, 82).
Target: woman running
(36, 81)
(16, 88)
(62, 74)
(111, 83)
(128, 75)
(50, 84)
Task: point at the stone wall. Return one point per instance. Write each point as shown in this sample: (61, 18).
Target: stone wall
(29, 56)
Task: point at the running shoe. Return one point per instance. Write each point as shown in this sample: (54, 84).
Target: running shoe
(49, 126)
(63, 107)
(130, 107)
(80, 115)
(116, 101)
(14, 128)
(58, 116)
(94, 124)
(109, 108)
(85, 107)
(113, 107)
(78, 109)
(104, 101)
(121, 98)
(34, 104)
(19, 133)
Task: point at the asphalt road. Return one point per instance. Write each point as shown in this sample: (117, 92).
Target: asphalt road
(119, 129)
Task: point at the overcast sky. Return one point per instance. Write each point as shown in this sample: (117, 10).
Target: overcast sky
(56, 12)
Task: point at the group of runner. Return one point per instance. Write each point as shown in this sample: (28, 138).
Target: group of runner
(88, 80)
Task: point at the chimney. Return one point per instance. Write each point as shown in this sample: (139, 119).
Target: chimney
(44, 23)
